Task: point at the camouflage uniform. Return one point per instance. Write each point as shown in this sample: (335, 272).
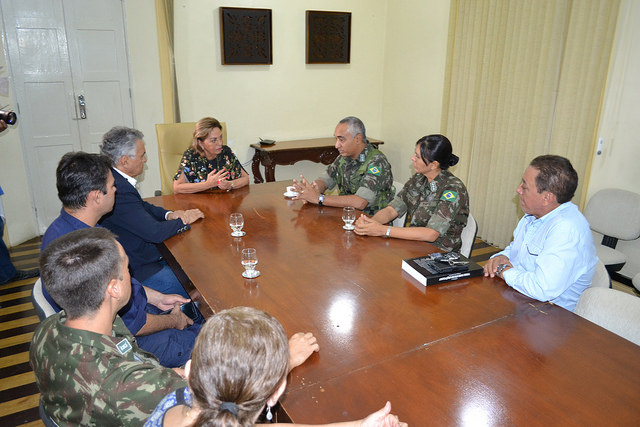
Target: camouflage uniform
(90, 379)
(368, 176)
(444, 209)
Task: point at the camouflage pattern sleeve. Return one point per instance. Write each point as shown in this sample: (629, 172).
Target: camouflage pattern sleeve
(378, 176)
(450, 215)
(398, 203)
(331, 174)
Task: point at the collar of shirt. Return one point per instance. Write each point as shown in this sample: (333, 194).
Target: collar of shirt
(534, 223)
(131, 180)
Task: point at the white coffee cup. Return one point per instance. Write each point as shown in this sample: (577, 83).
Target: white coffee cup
(291, 191)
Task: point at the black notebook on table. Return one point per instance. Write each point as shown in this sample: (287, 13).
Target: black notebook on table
(440, 268)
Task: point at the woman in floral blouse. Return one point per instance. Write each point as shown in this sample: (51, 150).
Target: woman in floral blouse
(207, 163)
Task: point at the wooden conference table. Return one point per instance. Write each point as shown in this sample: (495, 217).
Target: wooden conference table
(466, 352)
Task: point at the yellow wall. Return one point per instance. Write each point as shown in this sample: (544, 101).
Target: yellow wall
(288, 99)
(618, 166)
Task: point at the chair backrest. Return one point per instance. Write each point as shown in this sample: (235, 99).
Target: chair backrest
(399, 221)
(614, 213)
(46, 419)
(40, 304)
(614, 310)
(173, 140)
(601, 277)
(468, 236)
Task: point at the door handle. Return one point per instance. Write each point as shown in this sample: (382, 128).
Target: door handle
(82, 107)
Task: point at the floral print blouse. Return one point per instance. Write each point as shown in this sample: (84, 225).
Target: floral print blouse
(197, 167)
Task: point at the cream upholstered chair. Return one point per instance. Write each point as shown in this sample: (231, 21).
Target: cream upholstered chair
(399, 221)
(614, 310)
(601, 277)
(173, 140)
(612, 215)
(42, 307)
(468, 236)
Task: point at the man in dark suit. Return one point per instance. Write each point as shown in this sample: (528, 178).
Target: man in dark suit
(140, 225)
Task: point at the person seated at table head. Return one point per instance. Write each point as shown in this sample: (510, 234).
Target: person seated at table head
(86, 188)
(361, 172)
(88, 367)
(208, 163)
(552, 256)
(239, 366)
(139, 225)
(435, 201)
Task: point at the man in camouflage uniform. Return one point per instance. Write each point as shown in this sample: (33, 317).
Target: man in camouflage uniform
(361, 172)
(88, 367)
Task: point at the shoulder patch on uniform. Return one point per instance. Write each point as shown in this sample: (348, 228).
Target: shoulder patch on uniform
(449, 196)
(124, 346)
(374, 170)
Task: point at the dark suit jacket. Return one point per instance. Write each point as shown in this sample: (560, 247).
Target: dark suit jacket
(139, 226)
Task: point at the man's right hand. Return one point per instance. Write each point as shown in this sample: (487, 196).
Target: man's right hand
(492, 265)
(188, 217)
(181, 320)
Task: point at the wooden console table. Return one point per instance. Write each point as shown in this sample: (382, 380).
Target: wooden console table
(318, 150)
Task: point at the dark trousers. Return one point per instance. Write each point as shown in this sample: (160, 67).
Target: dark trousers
(7, 270)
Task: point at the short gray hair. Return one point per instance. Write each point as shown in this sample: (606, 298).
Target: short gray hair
(355, 127)
(120, 141)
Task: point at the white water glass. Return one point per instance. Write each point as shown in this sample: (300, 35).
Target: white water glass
(249, 262)
(236, 222)
(349, 217)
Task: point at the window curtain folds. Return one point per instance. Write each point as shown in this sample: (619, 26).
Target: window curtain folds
(164, 23)
(524, 78)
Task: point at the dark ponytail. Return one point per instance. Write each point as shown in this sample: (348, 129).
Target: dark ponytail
(437, 148)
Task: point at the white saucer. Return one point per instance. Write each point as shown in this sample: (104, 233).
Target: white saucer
(256, 272)
(292, 194)
(353, 227)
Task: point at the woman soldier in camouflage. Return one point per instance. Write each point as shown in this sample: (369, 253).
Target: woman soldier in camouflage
(435, 201)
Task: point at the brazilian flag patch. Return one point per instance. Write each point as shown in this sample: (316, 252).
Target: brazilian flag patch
(373, 170)
(449, 196)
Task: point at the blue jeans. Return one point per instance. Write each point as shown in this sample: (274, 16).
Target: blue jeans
(172, 347)
(7, 270)
(164, 281)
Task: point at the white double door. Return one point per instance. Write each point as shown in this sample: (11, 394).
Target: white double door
(69, 66)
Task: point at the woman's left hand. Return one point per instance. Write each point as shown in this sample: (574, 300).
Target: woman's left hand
(225, 184)
(366, 226)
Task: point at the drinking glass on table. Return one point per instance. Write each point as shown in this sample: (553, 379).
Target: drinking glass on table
(348, 216)
(236, 222)
(249, 262)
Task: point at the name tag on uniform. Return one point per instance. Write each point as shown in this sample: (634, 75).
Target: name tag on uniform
(124, 346)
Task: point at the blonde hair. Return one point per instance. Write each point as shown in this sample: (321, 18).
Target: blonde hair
(240, 358)
(201, 132)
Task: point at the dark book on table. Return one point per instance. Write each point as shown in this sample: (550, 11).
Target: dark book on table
(440, 268)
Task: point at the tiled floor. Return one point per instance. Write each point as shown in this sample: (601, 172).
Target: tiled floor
(18, 391)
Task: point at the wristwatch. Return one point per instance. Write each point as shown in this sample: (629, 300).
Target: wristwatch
(501, 268)
(388, 233)
(321, 200)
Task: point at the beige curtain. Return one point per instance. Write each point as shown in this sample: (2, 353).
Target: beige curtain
(164, 22)
(524, 78)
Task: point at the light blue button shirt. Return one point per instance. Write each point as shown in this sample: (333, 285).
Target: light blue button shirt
(553, 257)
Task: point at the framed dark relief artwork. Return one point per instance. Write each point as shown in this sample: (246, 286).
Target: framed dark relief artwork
(328, 37)
(246, 36)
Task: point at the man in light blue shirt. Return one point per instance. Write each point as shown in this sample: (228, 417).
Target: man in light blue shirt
(552, 256)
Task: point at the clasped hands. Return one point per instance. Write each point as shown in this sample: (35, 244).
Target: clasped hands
(366, 226)
(219, 179)
(188, 217)
(307, 191)
(491, 267)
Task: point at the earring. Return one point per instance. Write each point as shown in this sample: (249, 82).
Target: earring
(269, 415)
